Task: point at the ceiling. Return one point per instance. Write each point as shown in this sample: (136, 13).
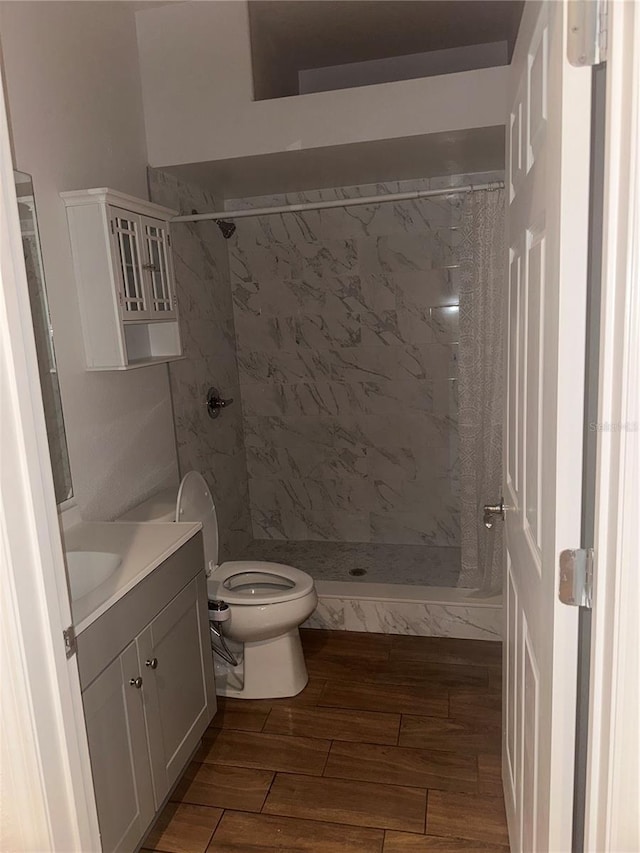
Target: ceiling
(291, 35)
(435, 154)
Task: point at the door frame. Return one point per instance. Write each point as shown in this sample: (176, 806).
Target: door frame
(46, 784)
(613, 774)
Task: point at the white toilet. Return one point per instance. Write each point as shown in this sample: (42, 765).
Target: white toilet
(267, 601)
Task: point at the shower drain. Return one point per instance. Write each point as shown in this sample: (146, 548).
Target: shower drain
(357, 573)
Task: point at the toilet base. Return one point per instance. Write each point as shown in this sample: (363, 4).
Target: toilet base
(270, 669)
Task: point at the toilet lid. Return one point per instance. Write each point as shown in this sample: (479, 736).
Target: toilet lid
(255, 582)
(195, 503)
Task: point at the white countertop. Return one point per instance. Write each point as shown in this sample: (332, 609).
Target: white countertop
(142, 547)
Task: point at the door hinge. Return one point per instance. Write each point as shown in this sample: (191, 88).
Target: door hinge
(70, 641)
(113, 230)
(587, 32)
(168, 239)
(603, 30)
(576, 577)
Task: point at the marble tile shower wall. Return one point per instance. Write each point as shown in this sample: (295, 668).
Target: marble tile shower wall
(346, 326)
(214, 447)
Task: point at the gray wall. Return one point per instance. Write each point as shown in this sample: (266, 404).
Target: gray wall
(346, 327)
(213, 447)
(78, 124)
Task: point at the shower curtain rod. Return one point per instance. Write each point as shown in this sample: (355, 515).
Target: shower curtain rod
(345, 202)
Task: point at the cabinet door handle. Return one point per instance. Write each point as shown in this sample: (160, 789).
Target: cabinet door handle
(152, 662)
(136, 682)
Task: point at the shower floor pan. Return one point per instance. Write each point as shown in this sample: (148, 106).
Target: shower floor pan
(363, 562)
(392, 589)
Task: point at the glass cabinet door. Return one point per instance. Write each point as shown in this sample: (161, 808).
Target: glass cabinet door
(134, 300)
(157, 266)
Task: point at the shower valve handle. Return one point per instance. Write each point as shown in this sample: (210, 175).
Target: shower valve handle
(215, 403)
(493, 511)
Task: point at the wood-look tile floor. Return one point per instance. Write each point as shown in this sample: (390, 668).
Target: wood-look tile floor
(393, 747)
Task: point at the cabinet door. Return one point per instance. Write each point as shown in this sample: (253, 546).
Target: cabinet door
(158, 268)
(127, 244)
(179, 692)
(119, 757)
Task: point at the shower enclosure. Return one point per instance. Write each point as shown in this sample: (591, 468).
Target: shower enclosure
(341, 333)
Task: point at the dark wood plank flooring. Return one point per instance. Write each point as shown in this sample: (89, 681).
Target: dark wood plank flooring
(393, 747)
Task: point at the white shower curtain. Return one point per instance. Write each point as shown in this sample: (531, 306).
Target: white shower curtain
(482, 268)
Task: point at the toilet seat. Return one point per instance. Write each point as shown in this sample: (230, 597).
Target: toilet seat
(194, 503)
(255, 582)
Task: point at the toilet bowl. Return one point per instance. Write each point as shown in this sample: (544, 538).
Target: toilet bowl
(267, 601)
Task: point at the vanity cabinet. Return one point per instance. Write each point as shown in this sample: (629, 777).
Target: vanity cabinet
(123, 267)
(149, 694)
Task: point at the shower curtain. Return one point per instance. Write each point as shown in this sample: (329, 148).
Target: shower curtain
(482, 268)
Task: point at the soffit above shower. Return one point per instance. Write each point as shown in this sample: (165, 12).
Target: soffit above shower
(318, 45)
(197, 88)
(460, 152)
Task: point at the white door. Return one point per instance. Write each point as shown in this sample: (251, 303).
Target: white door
(548, 139)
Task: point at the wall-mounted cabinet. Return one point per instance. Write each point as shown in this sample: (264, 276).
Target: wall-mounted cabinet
(124, 276)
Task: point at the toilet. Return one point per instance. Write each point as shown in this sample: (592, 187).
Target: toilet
(267, 602)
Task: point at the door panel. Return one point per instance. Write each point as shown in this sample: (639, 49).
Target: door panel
(127, 258)
(533, 373)
(548, 167)
(179, 693)
(512, 432)
(512, 670)
(530, 711)
(118, 751)
(536, 91)
(515, 146)
(158, 268)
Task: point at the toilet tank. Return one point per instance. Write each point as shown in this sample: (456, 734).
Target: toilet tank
(159, 507)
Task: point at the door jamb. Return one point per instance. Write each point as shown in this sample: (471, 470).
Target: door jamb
(613, 772)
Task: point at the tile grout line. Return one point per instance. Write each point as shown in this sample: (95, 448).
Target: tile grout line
(215, 829)
(426, 811)
(326, 761)
(266, 720)
(274, 773)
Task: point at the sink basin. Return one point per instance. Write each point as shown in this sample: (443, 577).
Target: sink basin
(89, 569)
